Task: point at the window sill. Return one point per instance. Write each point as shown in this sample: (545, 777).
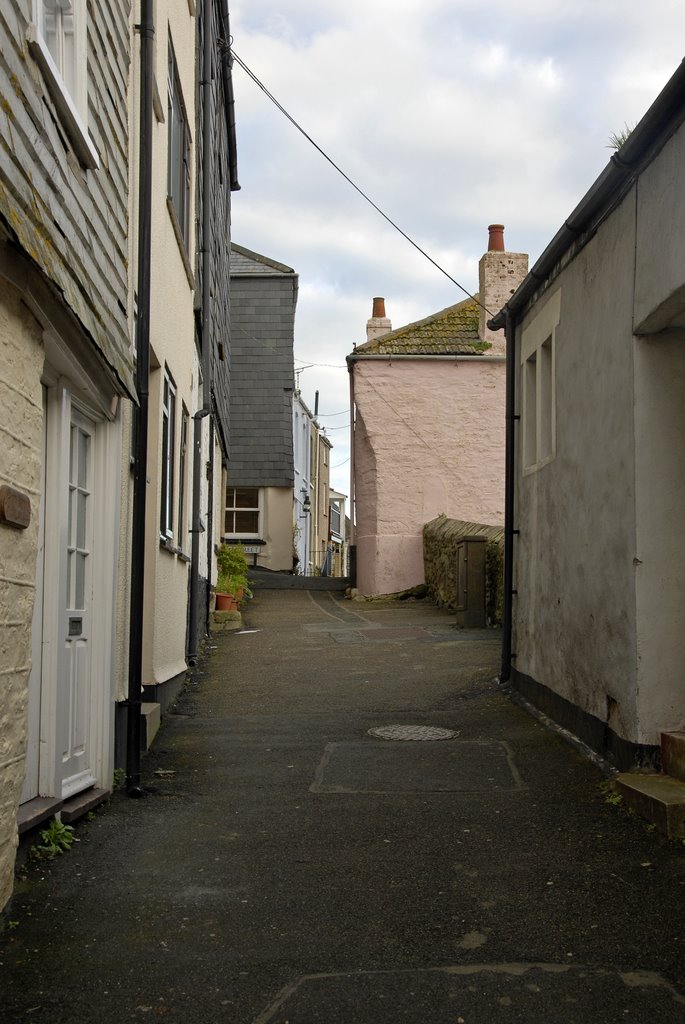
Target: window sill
(167, 544)
(181, 244)
(69, 116)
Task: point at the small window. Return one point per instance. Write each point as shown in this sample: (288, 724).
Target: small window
(538, 406)
(335, 518)
(178, 157)
(58, 39)
(538, 392)
(166, 523)
(242, 512)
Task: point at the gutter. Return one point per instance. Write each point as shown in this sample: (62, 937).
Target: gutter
(140, 412)
(434, 357)
(229, 107)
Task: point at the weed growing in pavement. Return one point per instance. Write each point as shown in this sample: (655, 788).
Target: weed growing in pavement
(610, 794)
(55, 840)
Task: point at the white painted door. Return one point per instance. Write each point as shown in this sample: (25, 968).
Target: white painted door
(74, 676)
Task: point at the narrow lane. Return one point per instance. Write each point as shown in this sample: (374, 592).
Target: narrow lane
(289, 867)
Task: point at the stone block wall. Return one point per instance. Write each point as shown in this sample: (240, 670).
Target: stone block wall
(440, 539)
(21, 365)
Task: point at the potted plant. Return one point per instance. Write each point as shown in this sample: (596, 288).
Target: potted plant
(231, 581)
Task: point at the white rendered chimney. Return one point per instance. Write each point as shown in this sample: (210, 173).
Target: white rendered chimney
(499, 275)
(379, 323)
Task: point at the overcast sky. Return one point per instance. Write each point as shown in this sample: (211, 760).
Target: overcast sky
(450, 115)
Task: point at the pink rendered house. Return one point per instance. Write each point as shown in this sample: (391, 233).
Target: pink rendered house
(428, 425)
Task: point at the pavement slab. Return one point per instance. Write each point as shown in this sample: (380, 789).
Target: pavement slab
(287, 867)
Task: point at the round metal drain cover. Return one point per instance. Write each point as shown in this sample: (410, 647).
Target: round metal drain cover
(412, 732)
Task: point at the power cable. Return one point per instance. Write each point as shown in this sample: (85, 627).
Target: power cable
(349, 180)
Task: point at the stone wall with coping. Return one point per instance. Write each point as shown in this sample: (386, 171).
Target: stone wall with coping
(21, 365)
(440, 539)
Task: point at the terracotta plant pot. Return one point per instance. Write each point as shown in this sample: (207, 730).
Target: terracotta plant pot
(226, 603)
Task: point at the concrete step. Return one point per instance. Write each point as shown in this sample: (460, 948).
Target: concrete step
(659, 799)
(673, 754)
(150, 720)
(80, 804)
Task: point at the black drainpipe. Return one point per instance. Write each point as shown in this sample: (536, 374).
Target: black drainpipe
(210, 513)
(510, 459)
(205, 255)
(140, 412)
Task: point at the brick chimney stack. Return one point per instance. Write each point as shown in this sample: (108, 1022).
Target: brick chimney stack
(378, 323)
(499, 275)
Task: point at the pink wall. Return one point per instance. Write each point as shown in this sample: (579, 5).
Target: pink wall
(429, 439)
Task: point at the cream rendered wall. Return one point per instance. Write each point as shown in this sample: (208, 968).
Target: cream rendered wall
(429, 438)
(278, 529)
(21, 365)
(172, 333)
(574, 610)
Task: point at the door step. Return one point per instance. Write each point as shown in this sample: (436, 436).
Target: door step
(150, 719)
(660, 798)
(78, 805)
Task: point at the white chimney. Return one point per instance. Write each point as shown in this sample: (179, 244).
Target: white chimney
(499, 275)
(378, 323)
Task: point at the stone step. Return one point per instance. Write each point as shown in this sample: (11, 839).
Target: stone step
(673, 754)
(79, 805)
(658, 798)
(150, 720)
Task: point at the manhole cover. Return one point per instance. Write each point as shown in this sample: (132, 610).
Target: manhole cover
(412, 732)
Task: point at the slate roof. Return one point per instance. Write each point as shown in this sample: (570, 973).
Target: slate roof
(452, 331)
(246, 262)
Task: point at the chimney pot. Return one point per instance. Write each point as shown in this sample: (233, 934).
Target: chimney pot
(378, 308)
(496, 238)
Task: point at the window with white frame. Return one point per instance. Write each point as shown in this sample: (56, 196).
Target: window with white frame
(336, 518)
(166, 520)
(538, 390)
(59, 42)
(243, 512)
(178, 157)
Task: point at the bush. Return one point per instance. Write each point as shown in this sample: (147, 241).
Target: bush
(231, 569)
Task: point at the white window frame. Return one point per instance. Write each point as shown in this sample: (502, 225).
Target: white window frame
(232, 507)
(71, 101)
(538, 387)
(168, 459)
(335, 515)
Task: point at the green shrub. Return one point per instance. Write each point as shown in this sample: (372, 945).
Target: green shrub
(231, 569)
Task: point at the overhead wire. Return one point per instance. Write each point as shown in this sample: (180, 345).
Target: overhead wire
(349, 180)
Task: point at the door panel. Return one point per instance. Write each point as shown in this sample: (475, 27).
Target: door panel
(74, 678)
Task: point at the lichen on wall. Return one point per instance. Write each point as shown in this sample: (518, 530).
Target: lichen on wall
(441, 537)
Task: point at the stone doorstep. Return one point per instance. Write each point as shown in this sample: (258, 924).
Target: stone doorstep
(35, 812)
(80, 804)
(673, 754)
(658, 798)
(150, 721)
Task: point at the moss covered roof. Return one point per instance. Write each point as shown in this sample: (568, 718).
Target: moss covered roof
(452, 331)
